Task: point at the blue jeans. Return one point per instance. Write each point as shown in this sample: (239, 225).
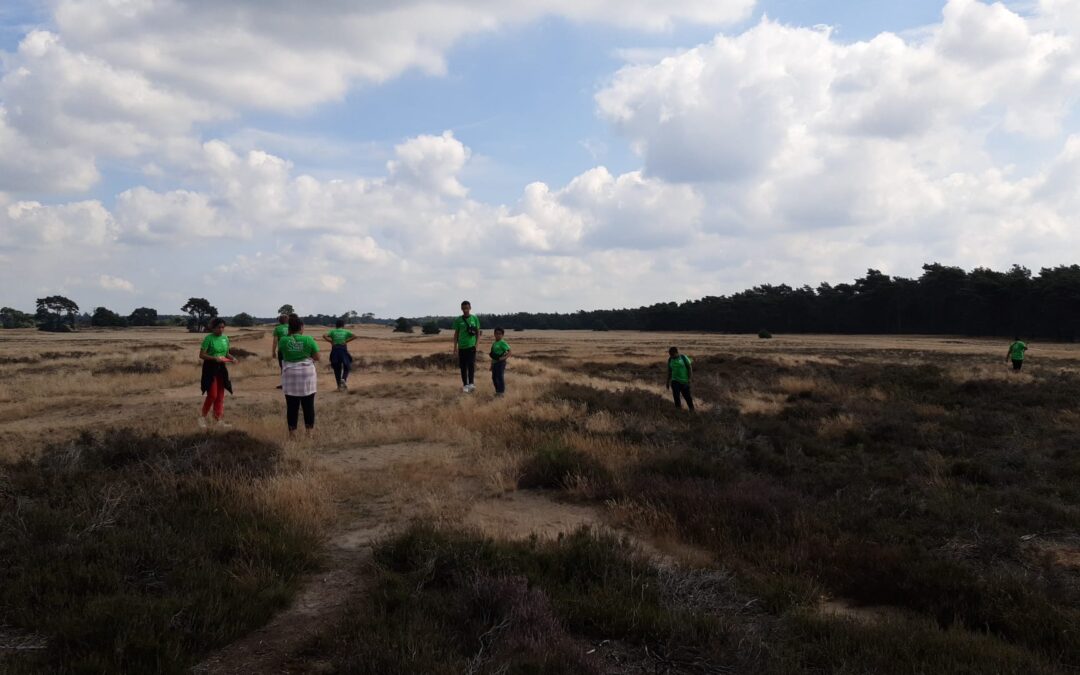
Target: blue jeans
(498, 376)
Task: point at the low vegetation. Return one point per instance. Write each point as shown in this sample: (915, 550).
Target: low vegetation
(126, 552)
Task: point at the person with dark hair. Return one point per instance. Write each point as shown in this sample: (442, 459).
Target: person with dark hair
(466, 336)
(1016, 353)
(214, 354)
(280, 331)
(679, 373)
(340, 359)
(500, 352)
(299, 353)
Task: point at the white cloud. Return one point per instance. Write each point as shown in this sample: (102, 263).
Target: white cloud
(111, 283)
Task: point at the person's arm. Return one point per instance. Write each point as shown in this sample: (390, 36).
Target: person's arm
(328, 339)
(273, 345)
(506, 354)
(667, 385)
(206, 357)
(314, 351)
(455, 339)
(689, 372)
(1008, 354)
(350, 339)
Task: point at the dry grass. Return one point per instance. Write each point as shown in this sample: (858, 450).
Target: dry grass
(405, 443)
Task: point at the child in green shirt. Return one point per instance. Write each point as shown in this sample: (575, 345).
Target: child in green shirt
(500, 352)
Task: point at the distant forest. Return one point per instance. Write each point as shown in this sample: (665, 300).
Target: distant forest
(943, 300)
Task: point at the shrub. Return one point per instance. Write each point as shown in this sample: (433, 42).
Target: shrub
(555, 466)
(243, 320)
(403, 325)
(135, 553)
(764, 334)
(431, 328)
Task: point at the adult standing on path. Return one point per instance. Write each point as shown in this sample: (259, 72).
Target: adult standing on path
(299, 353)
(340, 359)
(1016, 353)
(280, 331)
(679, 373)
(214, 354)
(500, 352)
(466, 336)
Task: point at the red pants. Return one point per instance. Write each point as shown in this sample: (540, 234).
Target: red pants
(216, 398)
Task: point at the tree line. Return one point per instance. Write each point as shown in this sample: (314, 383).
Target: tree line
(57, 313)
(942, 300)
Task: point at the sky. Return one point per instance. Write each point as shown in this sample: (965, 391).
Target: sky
(399, 156)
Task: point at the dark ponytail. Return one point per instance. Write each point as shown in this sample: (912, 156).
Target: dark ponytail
(295, 324)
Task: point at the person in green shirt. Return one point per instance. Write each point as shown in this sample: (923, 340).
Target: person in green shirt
(299, 378)
(500, 352)
(280, 331)
(466, 336)
(1016, 353)
(679, 373)
(340, 359)
(214, 354)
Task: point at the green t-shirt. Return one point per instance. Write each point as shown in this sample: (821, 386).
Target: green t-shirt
(679, 368)
(216, 345)
(338, 336)
(464, 340)
(499, 348)
(295, 348)
(1016, 351)
(281, 330)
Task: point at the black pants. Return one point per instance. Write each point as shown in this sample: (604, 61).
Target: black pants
(466, 359)
(1018, 364)
(292, 410)
(682, 390)
(498, 376)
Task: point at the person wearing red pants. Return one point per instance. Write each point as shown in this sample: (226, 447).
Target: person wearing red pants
(214, 354)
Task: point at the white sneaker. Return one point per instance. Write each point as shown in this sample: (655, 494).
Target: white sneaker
(472, 388)
(344, 386)
(465, 389)
(223, 425)
(203, 424)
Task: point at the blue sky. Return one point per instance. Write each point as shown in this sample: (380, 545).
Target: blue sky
(537, 156)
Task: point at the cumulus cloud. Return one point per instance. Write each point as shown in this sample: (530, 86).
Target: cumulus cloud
(776, 154)
(111, 283)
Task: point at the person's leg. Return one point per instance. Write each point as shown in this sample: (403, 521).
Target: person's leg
(676, 392)
(471, 362)
(1017, 364)
(689, 398)
(463, 366)
(280, 366)
(292, 411)
(308, 402)
(219, 400)
(337, 371)
(498, 376)
(346, 368)
(211, 396)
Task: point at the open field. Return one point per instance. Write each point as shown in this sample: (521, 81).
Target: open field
(837, 504)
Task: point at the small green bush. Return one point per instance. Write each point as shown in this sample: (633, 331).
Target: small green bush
(764, 334)
(554, 466)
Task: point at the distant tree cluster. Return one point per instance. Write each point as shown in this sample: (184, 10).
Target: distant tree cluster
(943, 300)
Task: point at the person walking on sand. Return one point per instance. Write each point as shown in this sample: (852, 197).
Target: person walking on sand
(466, 336)
(1016, 353)
(299, 353)
(679, 374)
(214, 354)
(340, 359)
(500, 352)
(280, 331)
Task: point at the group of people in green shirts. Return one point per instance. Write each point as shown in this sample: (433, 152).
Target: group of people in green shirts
(297, 354)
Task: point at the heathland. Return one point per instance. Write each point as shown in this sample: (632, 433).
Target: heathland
(837, 504)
